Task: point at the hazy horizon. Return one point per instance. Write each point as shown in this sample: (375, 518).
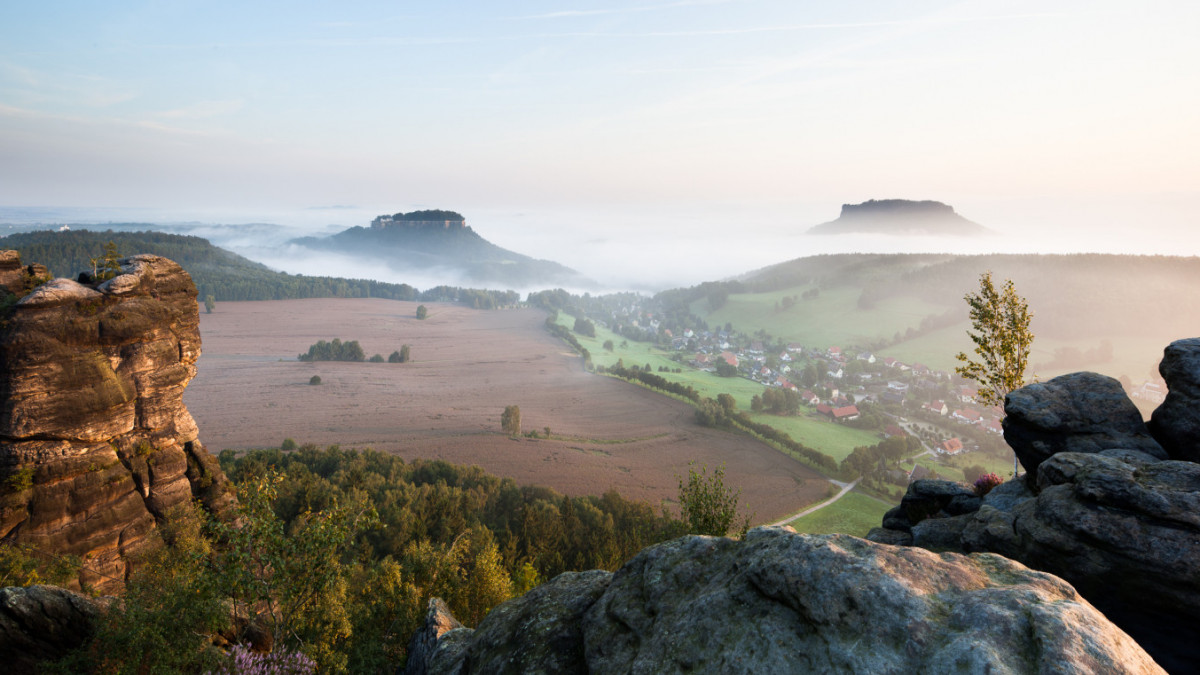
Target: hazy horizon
(643, 144)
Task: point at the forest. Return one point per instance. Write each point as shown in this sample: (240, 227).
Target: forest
(337, 552)
(225, 275)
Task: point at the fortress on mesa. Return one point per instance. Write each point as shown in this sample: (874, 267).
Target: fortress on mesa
(429, 219)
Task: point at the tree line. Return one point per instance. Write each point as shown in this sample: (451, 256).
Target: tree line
(224, 275)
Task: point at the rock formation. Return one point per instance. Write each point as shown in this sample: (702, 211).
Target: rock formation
(96, 447)
(782, 602)
(1101, 506)
(41, 623)
(900, 217)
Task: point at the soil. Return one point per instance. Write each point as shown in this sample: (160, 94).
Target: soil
(467, 365)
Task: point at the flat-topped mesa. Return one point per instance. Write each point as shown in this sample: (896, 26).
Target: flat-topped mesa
(96, 446)
(431, 219)
(900, 217)
(896, 207)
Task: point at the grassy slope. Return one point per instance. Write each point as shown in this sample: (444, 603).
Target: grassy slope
(854, 514)
(832, 318)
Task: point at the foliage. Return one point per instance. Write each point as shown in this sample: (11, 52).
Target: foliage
(726, 369)
(510, 420)
(402, 355)
(287, 444)
(608, 345)
(585, 327)
(335, 350)
(287, 575)
(107, 265)
(168, 611)
(209, 303)
(315, 379)
(19, 480)
(706, 506)
(422, 312)
(22, 564)
(377, 358)
(1002, 337)
(986, 483)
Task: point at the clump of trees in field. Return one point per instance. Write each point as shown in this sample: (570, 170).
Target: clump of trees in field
(334, 350)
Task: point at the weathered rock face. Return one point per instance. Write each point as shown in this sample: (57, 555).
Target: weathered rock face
(96, 446)
(41, 623)
(1079, 412)
(1176, 423)
(782, 602)
(18, 279)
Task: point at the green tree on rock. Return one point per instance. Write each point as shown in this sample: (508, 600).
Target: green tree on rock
(1000, 321)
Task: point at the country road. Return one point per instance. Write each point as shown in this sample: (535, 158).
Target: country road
(846, 487)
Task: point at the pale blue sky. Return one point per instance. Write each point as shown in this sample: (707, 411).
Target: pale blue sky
(771, 110)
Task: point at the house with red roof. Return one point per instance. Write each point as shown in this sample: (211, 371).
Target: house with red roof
(952, 446)
(849, 412)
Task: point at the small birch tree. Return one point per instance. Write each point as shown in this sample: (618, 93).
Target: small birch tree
(1000, 322)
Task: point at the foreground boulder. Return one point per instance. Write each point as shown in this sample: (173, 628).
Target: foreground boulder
(96, 446)
(41, 623)
(782, 602)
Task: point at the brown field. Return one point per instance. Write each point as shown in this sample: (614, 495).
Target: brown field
(467, 366)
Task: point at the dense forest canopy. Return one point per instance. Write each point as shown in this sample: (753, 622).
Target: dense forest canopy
(429, 214)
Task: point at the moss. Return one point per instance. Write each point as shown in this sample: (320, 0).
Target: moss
(19, 480)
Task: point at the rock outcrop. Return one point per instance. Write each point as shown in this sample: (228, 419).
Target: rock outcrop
(1176, 423)
(41, 623)
(1101, 506)
(96, 446)
(782, 602)
(1079, 412)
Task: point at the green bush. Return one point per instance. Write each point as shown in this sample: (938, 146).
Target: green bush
(315, 379)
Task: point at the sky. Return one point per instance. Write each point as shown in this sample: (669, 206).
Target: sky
(607, 134)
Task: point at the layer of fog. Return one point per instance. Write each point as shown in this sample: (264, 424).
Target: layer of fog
(650, 249)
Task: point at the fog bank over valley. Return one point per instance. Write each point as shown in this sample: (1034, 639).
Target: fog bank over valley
(649, 249)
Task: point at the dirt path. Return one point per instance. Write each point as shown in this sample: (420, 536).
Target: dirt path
(846, 487)
(467, 366)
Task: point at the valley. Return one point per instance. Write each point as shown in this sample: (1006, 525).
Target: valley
(250, 392)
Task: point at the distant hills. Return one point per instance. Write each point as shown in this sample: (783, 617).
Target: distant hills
(437, 239)
(223, 274)
(900, 217)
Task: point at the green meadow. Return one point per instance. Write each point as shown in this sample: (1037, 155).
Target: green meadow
(831, 318)
(855, 514)
(835, 440)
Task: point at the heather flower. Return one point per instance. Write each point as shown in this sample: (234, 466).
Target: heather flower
(986, 482)
(244, 661)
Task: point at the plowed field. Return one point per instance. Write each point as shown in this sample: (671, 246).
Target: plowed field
(467, 365)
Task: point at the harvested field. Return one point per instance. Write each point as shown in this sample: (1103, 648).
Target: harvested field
(467, 365)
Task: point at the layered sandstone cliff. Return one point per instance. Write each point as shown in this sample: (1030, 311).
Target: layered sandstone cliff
(96, 447)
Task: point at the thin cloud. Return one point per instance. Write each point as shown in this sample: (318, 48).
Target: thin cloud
(800, 27)
(623, 10)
